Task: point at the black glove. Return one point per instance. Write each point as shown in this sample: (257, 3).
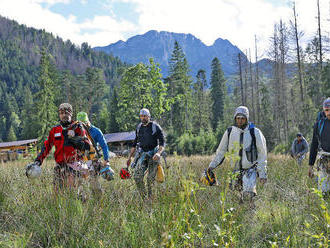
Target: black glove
(78, 143)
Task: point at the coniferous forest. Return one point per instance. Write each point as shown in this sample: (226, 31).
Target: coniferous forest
(38, 71)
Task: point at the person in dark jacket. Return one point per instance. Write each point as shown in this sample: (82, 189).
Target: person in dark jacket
(299, 148)
(148, 146)
(320, 148)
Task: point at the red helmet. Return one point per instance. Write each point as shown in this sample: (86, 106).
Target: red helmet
(124, 173)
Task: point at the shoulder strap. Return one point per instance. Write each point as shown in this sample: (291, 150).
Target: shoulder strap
(154, 128)
(138, 129)
(228, 134)
(229, 131)
(89, 136)
(321, 125)
(253, 135)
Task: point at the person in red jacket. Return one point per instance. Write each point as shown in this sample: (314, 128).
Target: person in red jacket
(71, 142)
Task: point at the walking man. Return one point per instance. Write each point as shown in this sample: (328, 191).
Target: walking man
(299, 148)
(320, 148)
(148, 146)
(252, 154)
(71, 142)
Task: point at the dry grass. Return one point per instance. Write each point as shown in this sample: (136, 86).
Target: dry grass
(183, 213)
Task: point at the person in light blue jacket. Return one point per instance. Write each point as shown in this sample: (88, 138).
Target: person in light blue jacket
(96, 134)
(98, 139)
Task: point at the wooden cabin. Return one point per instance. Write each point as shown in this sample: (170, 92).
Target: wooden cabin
(9, 150)
(119, 143)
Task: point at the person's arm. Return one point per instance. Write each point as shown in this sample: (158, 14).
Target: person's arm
(314, 146)
(101, 140)
(220, 153)
(293, 148)
(262, 154)
(305, 147)
(161, 142)
(46, 147)
(313, 151)
(132, 149)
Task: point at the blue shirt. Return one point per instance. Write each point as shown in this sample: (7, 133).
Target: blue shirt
(99, 139)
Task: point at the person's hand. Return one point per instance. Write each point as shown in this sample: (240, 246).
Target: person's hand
(310, 172)
(263, 180)
(128, 162)
(105, 162)
(156, 157)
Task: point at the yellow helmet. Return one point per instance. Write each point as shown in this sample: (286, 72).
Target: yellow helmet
(208, 178)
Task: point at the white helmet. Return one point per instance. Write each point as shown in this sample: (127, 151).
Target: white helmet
(33, 170)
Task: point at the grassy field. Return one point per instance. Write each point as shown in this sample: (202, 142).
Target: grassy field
(183, 213)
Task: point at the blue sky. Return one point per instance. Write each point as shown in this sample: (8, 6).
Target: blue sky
(101, 22)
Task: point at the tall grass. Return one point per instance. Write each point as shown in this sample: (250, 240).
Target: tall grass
(183, 213)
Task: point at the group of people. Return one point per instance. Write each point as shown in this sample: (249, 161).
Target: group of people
(77, 156)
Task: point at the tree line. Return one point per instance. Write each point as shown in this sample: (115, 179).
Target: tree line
(283, 93)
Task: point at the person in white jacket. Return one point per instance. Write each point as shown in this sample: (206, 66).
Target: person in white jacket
(248, 145)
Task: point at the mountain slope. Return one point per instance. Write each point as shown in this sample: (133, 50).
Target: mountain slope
(159, 45)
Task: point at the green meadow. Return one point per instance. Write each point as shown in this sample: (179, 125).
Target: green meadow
(288, 211)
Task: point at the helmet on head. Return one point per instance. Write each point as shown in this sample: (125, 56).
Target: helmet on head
(242, 110)
(326, 103)
(66, 107)
(208, 178)
(124, 173)
(33, 170)
(145, 111)
(83, 117)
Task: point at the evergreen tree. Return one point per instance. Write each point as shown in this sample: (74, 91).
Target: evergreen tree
(113, 109)
(28, 121)
(11, 136)
(326, 80)
(217, 92)
(94, 88)
(201, 104)
(45, 108)
(180, 92)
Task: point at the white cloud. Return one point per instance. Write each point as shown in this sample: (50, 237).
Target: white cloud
(236, 20)
(32, 14)
(50, 1)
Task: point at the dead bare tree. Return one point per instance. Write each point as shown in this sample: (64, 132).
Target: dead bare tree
(241, 77)
(257, 80)
(296, 35)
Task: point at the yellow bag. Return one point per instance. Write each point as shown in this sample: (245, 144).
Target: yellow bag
(160, 176)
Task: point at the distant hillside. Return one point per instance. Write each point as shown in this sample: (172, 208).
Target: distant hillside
(159, 45)
(20, 48)
(20, 53)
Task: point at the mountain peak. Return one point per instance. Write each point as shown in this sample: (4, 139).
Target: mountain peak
(159, 45)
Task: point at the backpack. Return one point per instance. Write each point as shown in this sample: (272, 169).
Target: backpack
(153, 128)
(252, 151)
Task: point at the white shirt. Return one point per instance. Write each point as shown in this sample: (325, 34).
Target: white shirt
(232, 147)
